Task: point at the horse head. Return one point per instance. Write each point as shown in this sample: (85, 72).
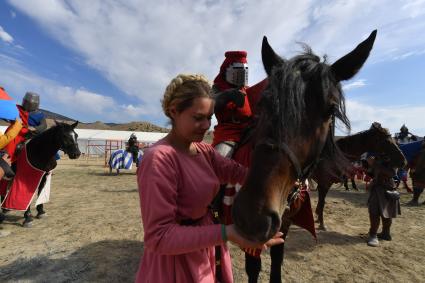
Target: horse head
(295, 128)
(67, 139)
(380, 141)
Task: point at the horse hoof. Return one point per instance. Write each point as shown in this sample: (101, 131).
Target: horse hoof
(41, 215)
(27, 224)
(2, 217)
(322, 228)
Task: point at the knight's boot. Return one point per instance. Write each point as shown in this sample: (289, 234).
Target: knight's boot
(416, 194)
(386, 226)
(373, 230)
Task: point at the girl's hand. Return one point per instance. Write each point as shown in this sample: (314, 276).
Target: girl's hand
(239, 240)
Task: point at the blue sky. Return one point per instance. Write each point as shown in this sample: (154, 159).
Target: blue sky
(111, 60)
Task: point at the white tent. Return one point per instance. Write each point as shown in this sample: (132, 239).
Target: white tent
(97, 142)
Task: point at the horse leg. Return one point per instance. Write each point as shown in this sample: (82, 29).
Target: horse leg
(345, 180)
(40, 211)
(353, 183)
(323, 191)
(118, 171)
(4, 210)
(28, 218)
(252, 267)
(277, 253)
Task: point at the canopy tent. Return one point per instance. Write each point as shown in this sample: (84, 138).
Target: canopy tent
(99, 142)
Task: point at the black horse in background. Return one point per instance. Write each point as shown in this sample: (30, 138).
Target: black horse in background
(41, 152)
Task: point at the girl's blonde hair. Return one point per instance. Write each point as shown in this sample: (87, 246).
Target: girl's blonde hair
(182, 90)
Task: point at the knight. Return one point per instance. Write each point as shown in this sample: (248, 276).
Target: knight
(36, 118)
(232, 108)
(133, 147)
(404, 136)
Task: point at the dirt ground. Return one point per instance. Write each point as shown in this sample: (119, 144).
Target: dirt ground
(93, 234)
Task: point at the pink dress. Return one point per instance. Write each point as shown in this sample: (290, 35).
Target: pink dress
(176, 186)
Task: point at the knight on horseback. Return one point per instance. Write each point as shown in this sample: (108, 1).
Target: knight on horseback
(232, 108)
(34, 123)
(403, 137)
(133, 148)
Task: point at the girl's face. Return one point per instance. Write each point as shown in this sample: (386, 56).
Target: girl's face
(192, 123)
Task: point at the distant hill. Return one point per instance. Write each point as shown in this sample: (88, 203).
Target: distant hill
(98, 125)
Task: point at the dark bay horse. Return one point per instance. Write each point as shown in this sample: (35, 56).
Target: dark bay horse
(415, 155)
(294, 129)
(41, 152)
(376, 139)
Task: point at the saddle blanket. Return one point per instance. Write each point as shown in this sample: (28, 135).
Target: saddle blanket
(24, 185)
(122, 159)
(410, 150)
(44, 195)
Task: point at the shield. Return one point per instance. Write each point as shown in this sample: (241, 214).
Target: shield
(8, 110)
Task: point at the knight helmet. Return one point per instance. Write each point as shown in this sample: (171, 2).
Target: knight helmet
(31, 101)
(235, 68)
(404, 129)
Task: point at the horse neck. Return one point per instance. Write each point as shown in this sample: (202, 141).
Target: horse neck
(42, 148)
(355, 145)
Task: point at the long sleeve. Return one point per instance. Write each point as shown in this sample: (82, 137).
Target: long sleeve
(158, 181)
(10, 134)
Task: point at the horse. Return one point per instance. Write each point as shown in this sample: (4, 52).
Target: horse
(415, 155)
(376, 139)
(41, 151)
(123, 159)
(297, 113)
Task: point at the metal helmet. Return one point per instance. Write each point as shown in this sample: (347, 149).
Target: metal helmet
(237, 74)
(404, 129)
(31, 101)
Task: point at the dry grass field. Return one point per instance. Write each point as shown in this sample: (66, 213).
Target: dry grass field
(93, 234)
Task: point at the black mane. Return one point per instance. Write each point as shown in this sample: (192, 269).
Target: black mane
(298, 92)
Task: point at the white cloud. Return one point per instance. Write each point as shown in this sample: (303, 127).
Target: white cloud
(5, 36)
(79, 104)
(140, 45)
(355, 84)
(363, 115)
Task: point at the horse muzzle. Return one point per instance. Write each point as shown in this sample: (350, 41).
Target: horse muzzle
(255, 226)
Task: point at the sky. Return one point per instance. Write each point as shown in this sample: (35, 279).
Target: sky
(110, 60)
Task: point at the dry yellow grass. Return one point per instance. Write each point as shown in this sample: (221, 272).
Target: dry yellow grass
(93, 234)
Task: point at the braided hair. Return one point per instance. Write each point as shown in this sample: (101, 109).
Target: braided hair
(182, 90)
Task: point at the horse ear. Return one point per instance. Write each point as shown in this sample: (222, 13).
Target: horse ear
(346, 67)
(74, 125)
(376, 125)
(270, 58)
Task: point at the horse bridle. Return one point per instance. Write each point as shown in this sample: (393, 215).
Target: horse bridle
(70, 147)
(302, 174)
